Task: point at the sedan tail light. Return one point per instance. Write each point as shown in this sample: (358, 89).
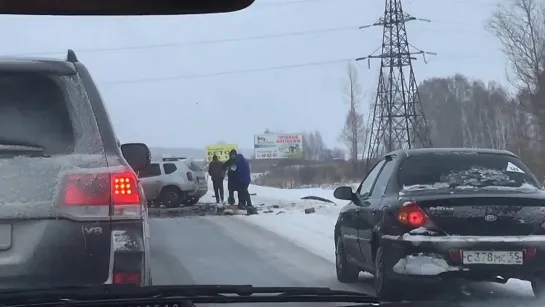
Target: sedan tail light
(410, 214)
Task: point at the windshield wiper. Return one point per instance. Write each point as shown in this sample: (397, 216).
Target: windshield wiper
(133, 295)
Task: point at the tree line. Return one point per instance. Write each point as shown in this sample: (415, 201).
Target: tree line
(462, 111)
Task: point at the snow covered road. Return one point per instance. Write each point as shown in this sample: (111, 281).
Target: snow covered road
(314, 233)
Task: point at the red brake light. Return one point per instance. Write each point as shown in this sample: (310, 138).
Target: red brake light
(127, 278)
(101, 189)
(412, 215)
(456, 255)
(189, 176)
(125, 189)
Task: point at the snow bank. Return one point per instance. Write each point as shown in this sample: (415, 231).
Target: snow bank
(423, 265)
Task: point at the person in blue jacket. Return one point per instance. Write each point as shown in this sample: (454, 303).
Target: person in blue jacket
(244, 180)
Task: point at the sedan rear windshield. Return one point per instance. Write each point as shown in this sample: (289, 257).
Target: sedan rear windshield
(47, 110)
(464, 171)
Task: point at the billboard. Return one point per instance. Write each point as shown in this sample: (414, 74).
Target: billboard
(278, 146)
(220, 150)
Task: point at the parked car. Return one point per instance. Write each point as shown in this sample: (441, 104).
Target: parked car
(72, 210)
(436, 214)
(173, 182)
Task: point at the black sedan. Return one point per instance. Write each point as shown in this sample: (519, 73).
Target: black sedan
(426, 215)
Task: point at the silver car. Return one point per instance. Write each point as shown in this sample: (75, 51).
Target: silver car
(173, 182)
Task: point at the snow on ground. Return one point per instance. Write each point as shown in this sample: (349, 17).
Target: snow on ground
(282, 211)
(314, 231)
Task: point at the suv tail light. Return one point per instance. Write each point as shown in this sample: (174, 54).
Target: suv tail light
(102, 189)
(189, 176)
(412, 215)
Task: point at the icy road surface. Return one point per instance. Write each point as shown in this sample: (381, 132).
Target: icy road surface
(283, 247)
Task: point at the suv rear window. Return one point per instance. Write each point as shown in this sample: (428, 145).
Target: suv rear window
(464, 170)
(169, 168)
(152, 170)
(193, 166)
(50, 111)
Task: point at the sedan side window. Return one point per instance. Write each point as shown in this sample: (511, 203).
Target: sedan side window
(383, 178)
(367, 184)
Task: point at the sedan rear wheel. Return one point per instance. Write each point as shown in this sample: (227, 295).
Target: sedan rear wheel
(538, 286)
(385, 287)
(346, 272)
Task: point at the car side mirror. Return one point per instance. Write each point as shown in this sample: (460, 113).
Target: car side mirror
(344, 193)
(137, 155)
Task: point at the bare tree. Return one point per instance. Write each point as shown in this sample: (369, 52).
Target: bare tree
(308, 146)
(338, 153)
(313, 145)
(520, 27)
(469, 113)
(353, 133)
(319, 145)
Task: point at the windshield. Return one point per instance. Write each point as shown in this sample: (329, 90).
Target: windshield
(465, 171)
(253, 119)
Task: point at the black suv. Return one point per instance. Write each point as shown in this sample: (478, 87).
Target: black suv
(72, 211)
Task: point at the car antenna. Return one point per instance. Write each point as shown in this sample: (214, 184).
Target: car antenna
(71, 56)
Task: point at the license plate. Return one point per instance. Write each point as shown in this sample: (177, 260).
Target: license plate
(492, 257)
(5, 236)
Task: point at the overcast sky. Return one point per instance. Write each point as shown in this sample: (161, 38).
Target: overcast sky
(188, 81)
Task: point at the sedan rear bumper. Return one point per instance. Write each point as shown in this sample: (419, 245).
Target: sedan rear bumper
(432, 257)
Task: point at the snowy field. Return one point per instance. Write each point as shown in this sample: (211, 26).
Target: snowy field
(282, 211)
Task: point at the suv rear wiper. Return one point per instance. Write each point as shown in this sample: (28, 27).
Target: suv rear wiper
(182, 294)
(7, 143)
(14, 146)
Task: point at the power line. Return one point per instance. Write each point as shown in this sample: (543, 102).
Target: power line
(465, 2)
(277, 3)
(216, 41)
(232, 72)
(262, 69)
(202, 42)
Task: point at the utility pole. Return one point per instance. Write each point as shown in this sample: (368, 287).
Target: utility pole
(398, 120)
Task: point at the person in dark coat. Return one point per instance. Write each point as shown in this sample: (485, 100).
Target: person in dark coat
(217, 173)
(244, 180)
(232, 177)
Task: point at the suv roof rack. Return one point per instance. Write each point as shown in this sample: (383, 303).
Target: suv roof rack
(174, 158)
(71, 56)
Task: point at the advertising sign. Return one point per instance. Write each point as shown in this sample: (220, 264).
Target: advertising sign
(278, 146)
(220, 150)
